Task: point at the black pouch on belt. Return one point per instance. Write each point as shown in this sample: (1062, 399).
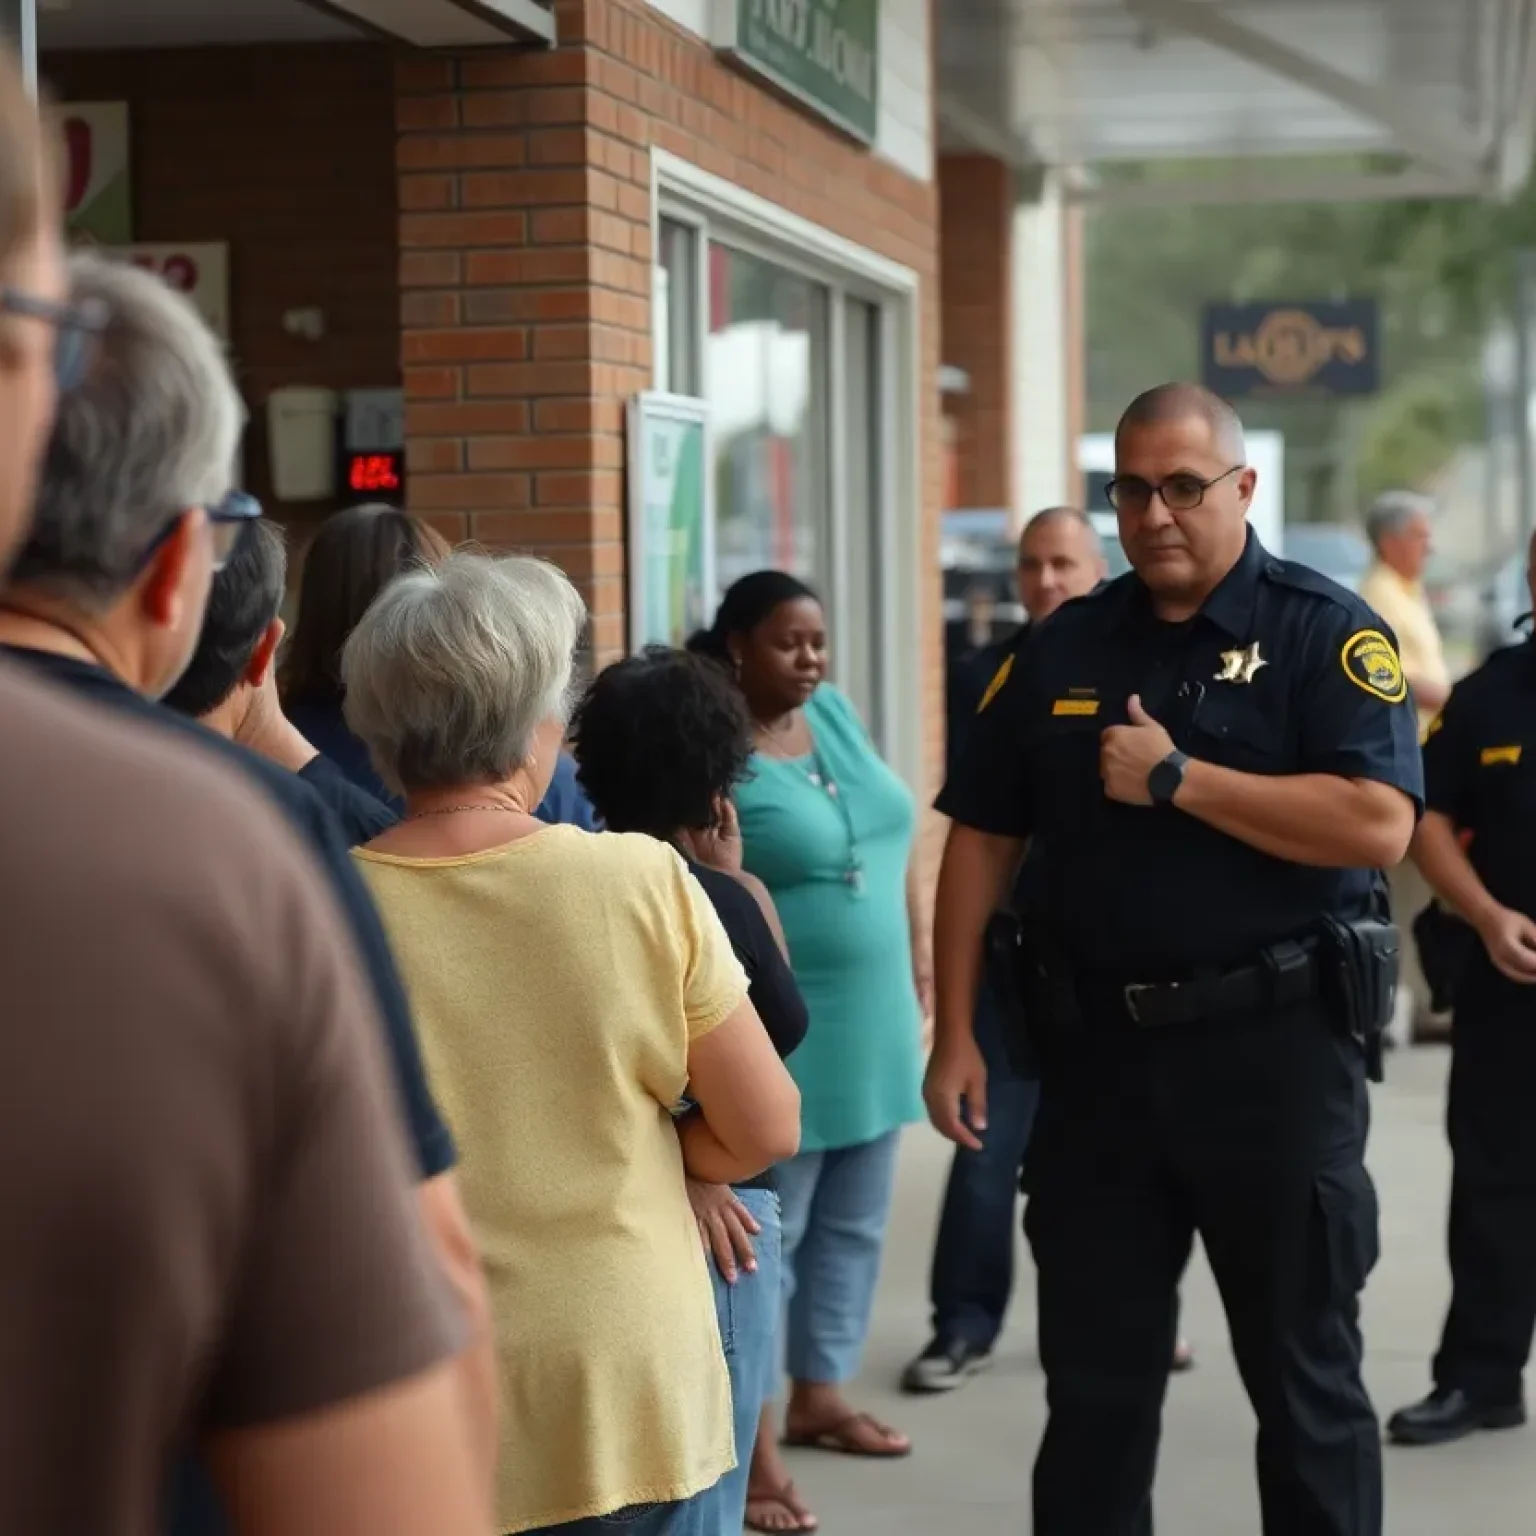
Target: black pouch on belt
(1005, 976)
(1361, 962)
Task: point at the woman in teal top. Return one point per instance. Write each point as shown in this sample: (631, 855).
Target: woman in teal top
(829, 829)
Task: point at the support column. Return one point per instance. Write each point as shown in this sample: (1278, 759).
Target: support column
(18, 22)
(1042, 354)
(976, 198)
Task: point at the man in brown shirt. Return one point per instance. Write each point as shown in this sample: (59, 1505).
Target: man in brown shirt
(207, 1212)
(203, 1184)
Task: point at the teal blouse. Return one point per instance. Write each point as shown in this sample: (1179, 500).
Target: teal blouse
(830, 836)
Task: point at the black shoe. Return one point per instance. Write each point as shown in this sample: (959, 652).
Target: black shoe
(1449, 1414)
(945, 1365)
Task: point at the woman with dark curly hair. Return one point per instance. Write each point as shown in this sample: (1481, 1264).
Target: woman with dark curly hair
(661, 741)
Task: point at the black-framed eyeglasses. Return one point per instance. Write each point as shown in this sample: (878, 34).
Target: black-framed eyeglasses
(76, 325)
(1180, 493)
(226, 521)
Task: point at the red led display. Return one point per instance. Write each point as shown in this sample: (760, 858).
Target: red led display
(373, 473)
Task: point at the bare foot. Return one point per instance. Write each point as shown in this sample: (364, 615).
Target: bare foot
(773, 1503)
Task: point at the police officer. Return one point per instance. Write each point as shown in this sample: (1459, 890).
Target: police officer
(971, 1279)
(1480, 779)
(1216, 754)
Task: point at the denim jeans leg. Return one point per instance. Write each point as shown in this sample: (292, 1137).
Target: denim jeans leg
(972, 1276)
(836, 1259)
(748, 1312)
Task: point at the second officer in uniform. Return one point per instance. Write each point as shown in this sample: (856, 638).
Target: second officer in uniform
(1480, 782)
(1217, 754)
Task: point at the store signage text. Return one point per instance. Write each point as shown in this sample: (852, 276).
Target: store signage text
(1323, 348)
(824, 52)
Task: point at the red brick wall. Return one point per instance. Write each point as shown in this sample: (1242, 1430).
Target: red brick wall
(287, 153)
(526, 270)
(976, 244)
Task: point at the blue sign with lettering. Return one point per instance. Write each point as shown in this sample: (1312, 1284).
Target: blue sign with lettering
(1303, 349)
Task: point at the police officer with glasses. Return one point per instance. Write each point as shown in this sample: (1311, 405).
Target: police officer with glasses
(1215, 755)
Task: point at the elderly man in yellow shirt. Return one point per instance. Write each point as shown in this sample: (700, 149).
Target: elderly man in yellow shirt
(1398, 526)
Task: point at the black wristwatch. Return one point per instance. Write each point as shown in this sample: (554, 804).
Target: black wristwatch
(1166, 777)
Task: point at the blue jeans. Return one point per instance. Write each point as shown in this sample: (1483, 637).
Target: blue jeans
(748, 1312)
(972, 1276)
(835, 1206)
(681, 1518)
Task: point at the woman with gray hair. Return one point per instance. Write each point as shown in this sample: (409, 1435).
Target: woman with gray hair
(568, 987)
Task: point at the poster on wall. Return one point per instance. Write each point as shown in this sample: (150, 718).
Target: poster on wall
(98, 206)
(199, 269)
(671, 519)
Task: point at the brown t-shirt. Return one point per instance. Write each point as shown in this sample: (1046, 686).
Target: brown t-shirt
(207, 1214)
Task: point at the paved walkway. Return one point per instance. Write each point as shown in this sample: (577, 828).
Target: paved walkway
(969, 1475)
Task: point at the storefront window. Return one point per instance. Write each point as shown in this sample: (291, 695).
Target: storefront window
(790, 356)
(678, 363)
(765, 372)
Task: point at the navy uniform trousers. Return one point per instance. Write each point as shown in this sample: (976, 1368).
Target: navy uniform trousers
(1492, 1129)
(1250, 1132)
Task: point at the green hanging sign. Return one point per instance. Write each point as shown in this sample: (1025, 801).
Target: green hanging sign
(825, 53)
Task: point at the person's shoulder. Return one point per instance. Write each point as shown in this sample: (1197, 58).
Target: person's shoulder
(1315, 588)
(727, 895)
(362, 817)
(136, 798)
(1499, 675)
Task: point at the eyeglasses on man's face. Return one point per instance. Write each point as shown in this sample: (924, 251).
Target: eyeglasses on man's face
(77, 323)
(1180, 492)
(226, 521)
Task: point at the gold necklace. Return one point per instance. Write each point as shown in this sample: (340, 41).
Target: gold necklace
(448, 810)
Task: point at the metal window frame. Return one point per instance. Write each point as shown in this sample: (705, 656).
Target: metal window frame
(718, 209)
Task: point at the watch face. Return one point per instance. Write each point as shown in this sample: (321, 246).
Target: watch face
(1164, 780)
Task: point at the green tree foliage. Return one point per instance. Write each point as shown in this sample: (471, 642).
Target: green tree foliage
(1439, 269)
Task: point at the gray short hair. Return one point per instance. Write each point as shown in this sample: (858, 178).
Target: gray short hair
(454, 668)
(151, 432)
(1392, 511)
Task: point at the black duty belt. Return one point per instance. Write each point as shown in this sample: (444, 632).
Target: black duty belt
(1284, 976)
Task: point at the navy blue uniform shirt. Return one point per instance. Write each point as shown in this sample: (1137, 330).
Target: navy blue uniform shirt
(360, 815)
(1480, 771)
(1281, 672)
(316, 827)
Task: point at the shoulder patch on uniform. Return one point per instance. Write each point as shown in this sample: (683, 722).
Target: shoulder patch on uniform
(1371, 663)
(995, 687)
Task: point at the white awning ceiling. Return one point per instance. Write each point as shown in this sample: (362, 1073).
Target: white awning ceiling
(1439, 94)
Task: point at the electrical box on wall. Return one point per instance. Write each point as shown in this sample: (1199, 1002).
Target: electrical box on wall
(373, 445)
(301, 434)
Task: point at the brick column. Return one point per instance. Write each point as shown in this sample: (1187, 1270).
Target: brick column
(525, 312)
(976, 199)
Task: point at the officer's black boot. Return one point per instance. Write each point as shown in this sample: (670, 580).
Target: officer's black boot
(1449, 1414)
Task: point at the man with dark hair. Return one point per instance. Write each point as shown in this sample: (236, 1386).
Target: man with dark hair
(1213, 757)
(231, 682)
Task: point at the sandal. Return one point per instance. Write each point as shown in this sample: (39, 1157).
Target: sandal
(843, 1438)
(797, 1519)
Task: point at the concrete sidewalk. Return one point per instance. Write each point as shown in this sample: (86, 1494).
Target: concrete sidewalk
(969, 1474)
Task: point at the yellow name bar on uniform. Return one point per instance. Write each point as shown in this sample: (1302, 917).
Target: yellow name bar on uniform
(1075, 707)
(1491, 755)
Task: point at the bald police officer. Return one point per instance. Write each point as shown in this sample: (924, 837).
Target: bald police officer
(1214, 756)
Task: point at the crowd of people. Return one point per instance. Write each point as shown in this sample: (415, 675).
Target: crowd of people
(443, 1171)
(447, 1095)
